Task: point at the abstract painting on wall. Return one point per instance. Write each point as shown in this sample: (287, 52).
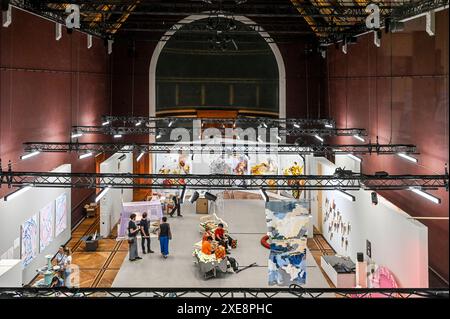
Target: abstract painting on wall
(287, 223)
(61, 214)
(29, 238)
(46, 224)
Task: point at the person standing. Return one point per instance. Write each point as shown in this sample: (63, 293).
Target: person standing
(67, 267)
(164, 236)
(144, 224)
(132, 242)
(176, 206)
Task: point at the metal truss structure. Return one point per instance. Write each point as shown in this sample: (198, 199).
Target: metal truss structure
(194, 148)
(339, 181)
(291, 292)
(144, 130)
(254, 121)
(329, 21)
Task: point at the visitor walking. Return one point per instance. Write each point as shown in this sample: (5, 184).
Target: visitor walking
(164, 236)
(144, 224)
(176, 206)
(132, 242)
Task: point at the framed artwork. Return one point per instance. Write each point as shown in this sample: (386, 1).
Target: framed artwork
(46, 226)
(61, 214)
(29, 240)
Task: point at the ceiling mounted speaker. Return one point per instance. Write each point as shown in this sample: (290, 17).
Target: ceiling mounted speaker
(396, 26)
(194, 197)
(374, 198)
(210, 197)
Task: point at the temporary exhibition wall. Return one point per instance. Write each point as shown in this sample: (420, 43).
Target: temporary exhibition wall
(31, 242)
(111, 203)
(385, 234)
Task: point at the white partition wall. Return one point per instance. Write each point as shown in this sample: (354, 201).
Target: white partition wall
(396, 241)
(15, 212)
(111, 203)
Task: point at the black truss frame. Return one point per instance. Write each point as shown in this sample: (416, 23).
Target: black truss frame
(266, 293)
(349, 181)
(270, 122)
(194, 148)
(328, 32)
(399, 13)
(143, 130)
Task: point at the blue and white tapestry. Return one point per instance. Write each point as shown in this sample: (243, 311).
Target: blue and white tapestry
(287, 223)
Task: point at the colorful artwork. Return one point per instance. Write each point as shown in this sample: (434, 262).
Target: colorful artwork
(230, 165)
(287, 223)
(46, 223)
(61, 214)
(29, 237)
(295, 170)
(269, 167)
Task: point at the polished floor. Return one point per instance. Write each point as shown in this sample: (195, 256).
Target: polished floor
(100, 268)
(246, 219)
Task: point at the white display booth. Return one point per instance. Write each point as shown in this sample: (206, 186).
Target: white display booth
(17, 211)
(227, 163)
(389, 235)
(111, 202)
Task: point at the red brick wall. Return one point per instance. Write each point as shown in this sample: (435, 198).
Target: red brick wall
(360, 85)
(46, 86)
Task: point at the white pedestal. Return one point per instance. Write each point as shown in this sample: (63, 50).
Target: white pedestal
(339, 280)
(10, 273)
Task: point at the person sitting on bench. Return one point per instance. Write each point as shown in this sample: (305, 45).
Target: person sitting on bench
(207, 247)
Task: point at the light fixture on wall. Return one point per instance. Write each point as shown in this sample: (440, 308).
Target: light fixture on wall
(32, 154)
(407, 157)
(264, 124)
(16, 193)
(139, 157)
(264, 195)
(347, 195)
(194, 197)
(101, 194)
(359, 138)
(117, 136)
(158, 136)
(319, 138)
(296, 125)
(329, 125)
(278, 138)
(85, 155)
(426, 195)
(210, 197)
(76, 135)
(105, 123)
(138, 123)
(170, 123)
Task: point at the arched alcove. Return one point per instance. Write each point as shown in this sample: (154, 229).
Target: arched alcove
(240, 72)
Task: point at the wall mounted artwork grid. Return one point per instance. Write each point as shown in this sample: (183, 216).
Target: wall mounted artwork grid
(39, 230)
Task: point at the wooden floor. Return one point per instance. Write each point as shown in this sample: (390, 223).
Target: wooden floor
(99, 268)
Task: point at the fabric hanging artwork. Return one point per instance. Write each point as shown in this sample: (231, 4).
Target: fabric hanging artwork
(287, 225)
(61, 214)
(46, 224)
(29, 240)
